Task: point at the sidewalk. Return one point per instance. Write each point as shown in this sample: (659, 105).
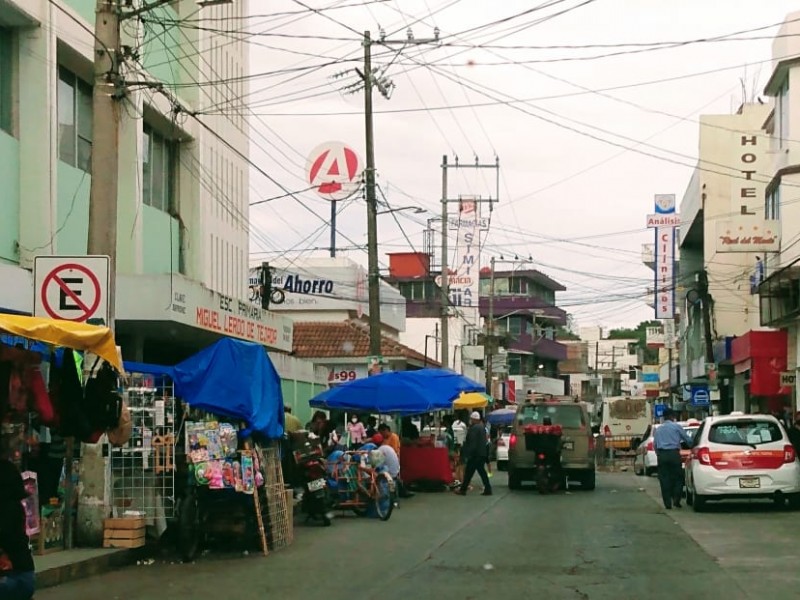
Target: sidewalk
(752, 539)
(69, 565)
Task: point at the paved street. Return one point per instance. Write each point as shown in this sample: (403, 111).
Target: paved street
(616, 542)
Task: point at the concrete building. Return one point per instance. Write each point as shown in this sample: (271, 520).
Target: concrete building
(608, 364)
(779, 300)
(183, 194)
(526, 316)
(412, 275)
(724, 238)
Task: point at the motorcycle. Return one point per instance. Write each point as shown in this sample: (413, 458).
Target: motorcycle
(312, 475)
(546, 442)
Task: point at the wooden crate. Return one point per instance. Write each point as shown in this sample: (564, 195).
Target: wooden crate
(124, 533)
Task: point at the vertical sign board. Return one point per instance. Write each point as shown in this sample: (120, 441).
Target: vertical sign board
(664, 221)
(464, 278)
(72, 288)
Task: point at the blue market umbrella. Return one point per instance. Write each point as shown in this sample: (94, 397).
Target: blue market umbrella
(398, 392)
(502, 416)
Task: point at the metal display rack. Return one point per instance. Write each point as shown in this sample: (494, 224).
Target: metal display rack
(143, 470)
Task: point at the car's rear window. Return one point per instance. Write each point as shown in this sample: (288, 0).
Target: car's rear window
(691, 431)
(560, 414)
(745, 433)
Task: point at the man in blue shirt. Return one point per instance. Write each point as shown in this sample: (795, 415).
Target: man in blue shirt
(667, 441)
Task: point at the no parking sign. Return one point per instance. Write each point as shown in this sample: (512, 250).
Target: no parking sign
(72, 288)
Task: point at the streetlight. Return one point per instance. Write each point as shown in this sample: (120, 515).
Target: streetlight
(415, 209)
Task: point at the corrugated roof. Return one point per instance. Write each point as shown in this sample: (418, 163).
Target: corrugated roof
(346, 339)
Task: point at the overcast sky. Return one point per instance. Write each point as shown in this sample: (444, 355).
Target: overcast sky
(574, 202)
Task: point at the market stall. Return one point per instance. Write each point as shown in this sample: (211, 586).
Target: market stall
(57, 385)
(406, 393)
(224, 454)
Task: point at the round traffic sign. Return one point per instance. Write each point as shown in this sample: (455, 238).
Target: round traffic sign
(71, 292)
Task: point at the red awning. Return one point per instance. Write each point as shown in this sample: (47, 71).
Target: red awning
(766, 353)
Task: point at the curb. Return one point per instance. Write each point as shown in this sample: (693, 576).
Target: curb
(87, 568)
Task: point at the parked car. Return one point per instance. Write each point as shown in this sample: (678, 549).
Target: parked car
(645, 461)
(503, 440)
(578, 448)
(742, 456)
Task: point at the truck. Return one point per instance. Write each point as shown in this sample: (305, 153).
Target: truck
(624, 418)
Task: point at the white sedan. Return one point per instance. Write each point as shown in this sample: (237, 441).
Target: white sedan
(742, 456)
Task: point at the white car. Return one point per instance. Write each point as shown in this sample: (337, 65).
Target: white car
(503, 440)
(742, 456)
(645, 461)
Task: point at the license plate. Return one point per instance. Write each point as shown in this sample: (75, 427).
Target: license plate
(749, 482)
(316, 485)
(569, 445)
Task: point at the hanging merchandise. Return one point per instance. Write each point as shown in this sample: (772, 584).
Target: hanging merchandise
(42, 410)
(143, 445)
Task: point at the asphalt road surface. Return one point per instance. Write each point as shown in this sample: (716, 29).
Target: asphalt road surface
(615, 542)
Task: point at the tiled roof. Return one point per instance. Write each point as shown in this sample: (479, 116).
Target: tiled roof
(346, 339)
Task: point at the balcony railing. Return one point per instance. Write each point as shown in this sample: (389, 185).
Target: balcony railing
(541, 347)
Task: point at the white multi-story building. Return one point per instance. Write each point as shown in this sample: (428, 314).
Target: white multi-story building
(722, 241)
(778, 296)
(183, 219)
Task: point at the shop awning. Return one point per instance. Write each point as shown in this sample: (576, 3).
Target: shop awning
(67, 334)
(764, 354)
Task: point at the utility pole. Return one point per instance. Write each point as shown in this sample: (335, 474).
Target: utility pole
(102, 238)
(370, 80)
(489, 354)
(445, 275)
(373, 277)
(445, 316)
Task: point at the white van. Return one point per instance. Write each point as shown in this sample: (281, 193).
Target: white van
(625, 417)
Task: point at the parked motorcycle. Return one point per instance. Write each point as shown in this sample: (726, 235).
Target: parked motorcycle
(312, 475)
(546, 442)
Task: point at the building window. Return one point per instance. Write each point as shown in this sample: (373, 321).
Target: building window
(6, 78)
(74, 121)
(773, 205)
(782, 114)
(158, 170)
(417, 290)
(518, 286)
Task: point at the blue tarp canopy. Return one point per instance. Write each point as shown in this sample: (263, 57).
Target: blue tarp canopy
(235, 379)
(148, 369)
(502, 416)
(398, 393)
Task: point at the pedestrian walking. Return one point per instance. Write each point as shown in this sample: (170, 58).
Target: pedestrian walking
(667, 441)
(474, 454)
(16, 561)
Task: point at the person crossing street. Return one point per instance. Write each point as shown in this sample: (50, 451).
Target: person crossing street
(474, 454)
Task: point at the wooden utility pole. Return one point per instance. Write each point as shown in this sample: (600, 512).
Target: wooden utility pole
(373, 273)
(105, 143)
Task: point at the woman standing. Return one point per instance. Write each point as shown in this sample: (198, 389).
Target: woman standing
(16, 561)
